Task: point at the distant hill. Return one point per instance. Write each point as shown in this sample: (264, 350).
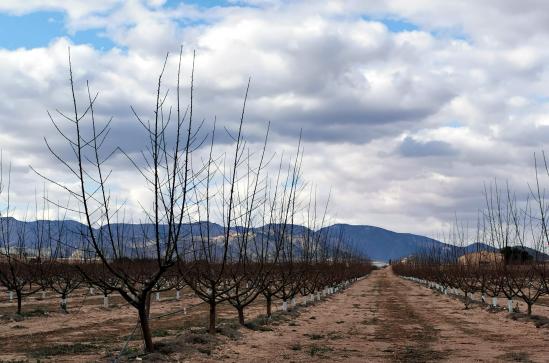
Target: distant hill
(381, 244)
(377, 243)
(384, 245)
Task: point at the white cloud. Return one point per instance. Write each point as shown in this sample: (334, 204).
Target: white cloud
(75, 9)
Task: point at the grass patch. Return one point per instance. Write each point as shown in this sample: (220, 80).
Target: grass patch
(295, 346)
(334, 335)
(24, 315)
(63, 349)
(197, 339)
(315, 350)
(160, 333)
(188, 343)
(230, 330)
(33, 313)
(314, 336)
(134, 337)
(373, 321)
(258, 326)
(131, 352)
(515, 357)
(537, 320)
(205, 350)
(264, 323)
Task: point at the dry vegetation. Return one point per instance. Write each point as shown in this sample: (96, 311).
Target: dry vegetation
(377, 319)
(90, 331)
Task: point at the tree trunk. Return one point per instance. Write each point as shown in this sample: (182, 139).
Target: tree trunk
(240, 315)
(211, 330)
(529, 309)
(19, 298)
(148, 304)
(269, 305)
(145, 328)
(64, 306)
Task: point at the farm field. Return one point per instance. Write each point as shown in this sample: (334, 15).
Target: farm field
(381, 318)
(384, 318)
(90, 332)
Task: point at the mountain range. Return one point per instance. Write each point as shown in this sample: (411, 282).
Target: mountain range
(377, 243)
(384, 245)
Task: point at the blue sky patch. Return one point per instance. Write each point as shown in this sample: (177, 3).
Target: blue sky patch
(199, 3)
(455, 124)
(397, 26)
(30, 30)
(94, 37)
(393, 24)
(38, 29)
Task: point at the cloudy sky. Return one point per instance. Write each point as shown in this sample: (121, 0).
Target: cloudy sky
(407, 107)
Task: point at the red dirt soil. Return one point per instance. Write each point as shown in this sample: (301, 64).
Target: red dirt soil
(385, 318)
(381, 318)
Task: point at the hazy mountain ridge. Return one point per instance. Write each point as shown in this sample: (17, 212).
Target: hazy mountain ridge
(384, 245)
(375, 242)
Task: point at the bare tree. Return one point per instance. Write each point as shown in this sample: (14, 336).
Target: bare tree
(165, 170)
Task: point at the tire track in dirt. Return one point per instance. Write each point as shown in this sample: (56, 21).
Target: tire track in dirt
(474, 334)
(411, 335)
(384, 318)
(372, 321)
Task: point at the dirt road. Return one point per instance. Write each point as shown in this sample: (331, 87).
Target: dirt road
(384, 318)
